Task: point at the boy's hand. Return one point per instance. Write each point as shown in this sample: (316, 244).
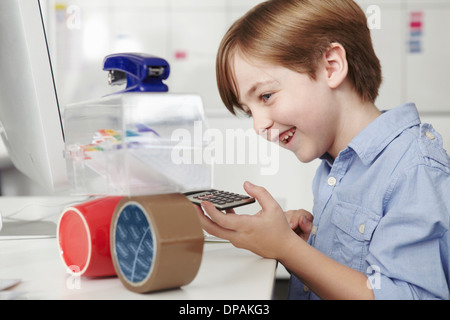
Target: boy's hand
(264, 233)
(301, 222)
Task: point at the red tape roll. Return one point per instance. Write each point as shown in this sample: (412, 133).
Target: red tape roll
(83, 237)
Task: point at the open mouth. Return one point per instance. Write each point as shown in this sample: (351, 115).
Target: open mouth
(286, 136)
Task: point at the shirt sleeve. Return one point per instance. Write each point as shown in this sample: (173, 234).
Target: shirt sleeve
(409, 251)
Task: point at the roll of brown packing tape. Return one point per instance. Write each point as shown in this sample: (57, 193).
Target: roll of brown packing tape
(156, 242)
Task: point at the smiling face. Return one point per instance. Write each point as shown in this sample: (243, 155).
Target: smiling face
(288, 107)
(315, 111)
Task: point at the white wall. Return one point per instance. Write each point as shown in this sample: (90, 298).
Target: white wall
(414, 50)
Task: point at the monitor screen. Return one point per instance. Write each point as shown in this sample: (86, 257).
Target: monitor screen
(30, 119)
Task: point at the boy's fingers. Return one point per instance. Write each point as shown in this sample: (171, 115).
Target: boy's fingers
(228, 221)
(213, 228)
(263, 197)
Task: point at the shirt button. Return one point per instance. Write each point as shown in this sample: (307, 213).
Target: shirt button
(305, 289)
(332, 181)
(429, 135)
(314, 230)
(361, 228)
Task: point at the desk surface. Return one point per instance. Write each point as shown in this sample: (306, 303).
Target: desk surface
(225, 273)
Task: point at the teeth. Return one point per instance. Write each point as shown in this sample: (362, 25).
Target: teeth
(287, 136)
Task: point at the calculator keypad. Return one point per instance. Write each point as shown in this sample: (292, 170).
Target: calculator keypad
(220, 197)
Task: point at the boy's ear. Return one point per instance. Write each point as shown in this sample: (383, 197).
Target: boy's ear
(336, 65)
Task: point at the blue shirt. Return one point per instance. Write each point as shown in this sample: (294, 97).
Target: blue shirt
(382, 207)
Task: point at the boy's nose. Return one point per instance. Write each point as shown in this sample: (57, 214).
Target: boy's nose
(261, 124)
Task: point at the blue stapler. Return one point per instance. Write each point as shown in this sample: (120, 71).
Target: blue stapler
(141, 72)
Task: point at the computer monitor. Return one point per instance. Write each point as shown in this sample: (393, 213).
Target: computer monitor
(30, 118)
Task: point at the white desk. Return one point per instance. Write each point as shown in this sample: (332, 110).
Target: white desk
(225, 273)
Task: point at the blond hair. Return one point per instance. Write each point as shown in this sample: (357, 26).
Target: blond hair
(295, 34)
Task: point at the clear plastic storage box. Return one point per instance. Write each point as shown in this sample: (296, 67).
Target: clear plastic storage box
(136, 143)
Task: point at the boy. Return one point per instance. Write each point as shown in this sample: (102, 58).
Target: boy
(307, 73)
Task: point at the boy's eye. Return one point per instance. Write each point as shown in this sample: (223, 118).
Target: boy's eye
(265, 97)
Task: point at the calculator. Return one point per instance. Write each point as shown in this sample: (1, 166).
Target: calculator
(222, 200)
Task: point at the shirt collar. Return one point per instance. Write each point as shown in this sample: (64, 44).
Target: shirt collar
(378, 134)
